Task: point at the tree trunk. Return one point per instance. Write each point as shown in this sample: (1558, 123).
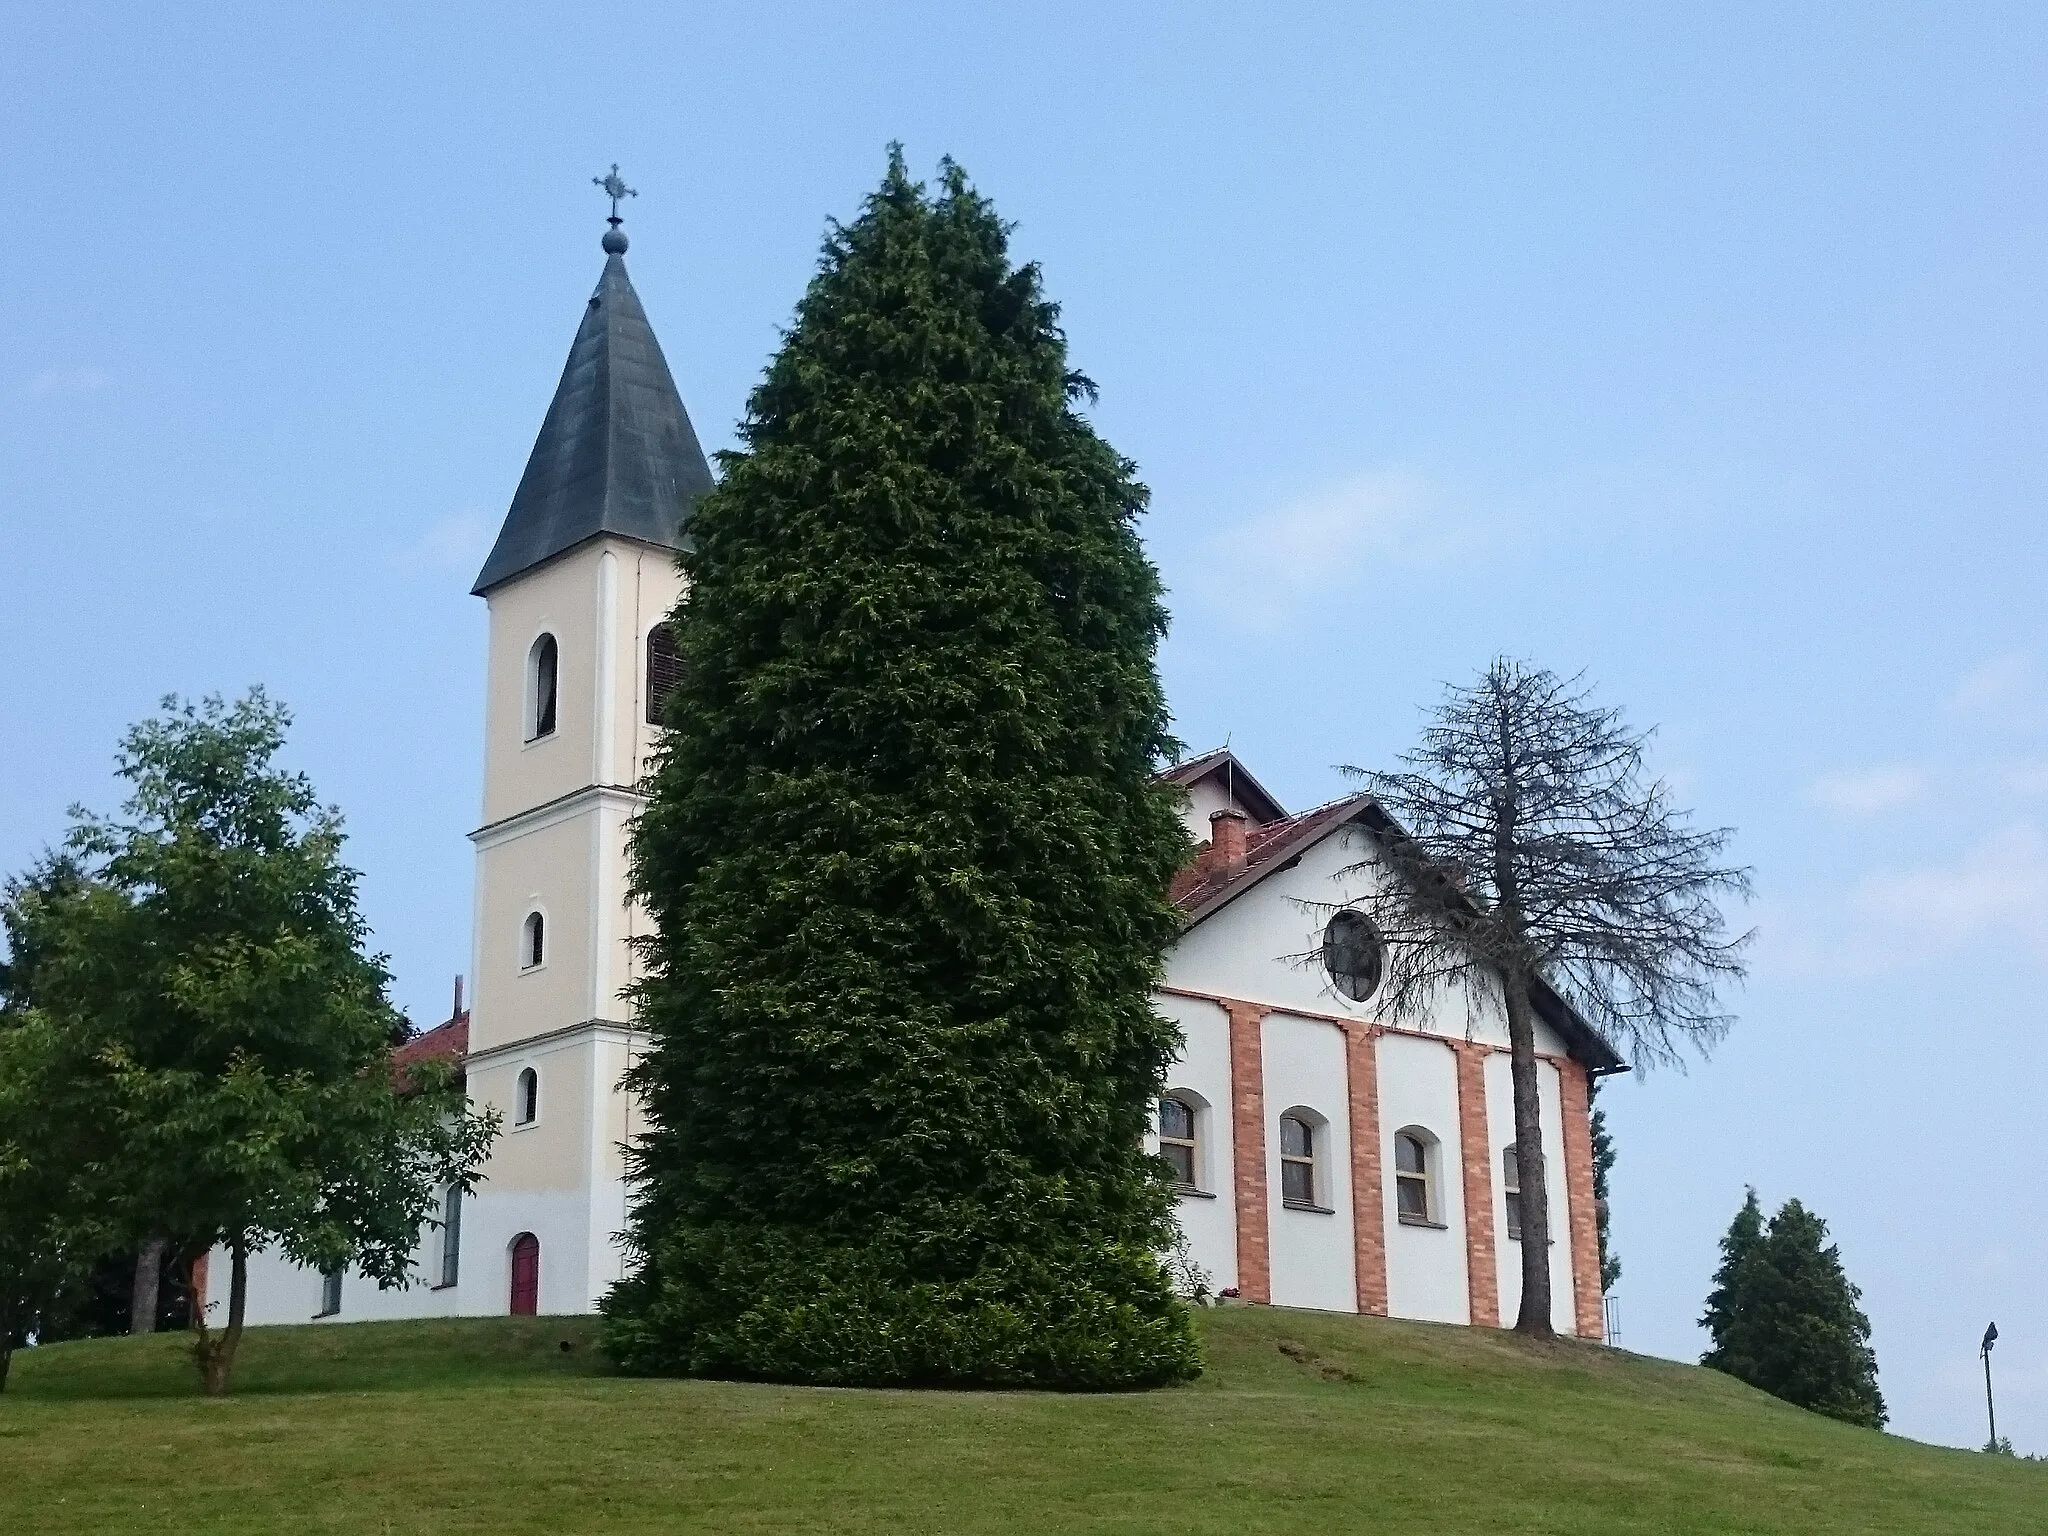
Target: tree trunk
(1534, 1318)
(149, 1269)
(6, 1359)
(216, 1352)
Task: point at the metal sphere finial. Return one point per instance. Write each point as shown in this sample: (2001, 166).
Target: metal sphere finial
(614, 241)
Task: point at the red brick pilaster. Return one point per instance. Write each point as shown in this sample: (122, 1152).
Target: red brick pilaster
(1475, 1155)
(1573, 1102)
(1368, 1185)
(1248, 1149)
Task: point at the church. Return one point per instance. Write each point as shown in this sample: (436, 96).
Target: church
(1324, 1156)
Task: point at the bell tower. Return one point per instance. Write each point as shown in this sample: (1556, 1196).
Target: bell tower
(578, 583)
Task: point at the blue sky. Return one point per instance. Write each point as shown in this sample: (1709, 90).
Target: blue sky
(1699, 349)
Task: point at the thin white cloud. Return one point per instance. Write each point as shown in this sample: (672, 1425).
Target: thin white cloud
(1997, 888)
(2002, 680)
(1993, 891)
(55, 382)
(1868, 791)
(457, 542)
(1330, 539)
(2026, 777)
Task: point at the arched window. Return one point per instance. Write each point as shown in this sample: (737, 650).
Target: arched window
(542, 665)
(1511, 1181)
(526, 1098)
(525, 1275)
(1353, 955)
(1300, 1146)
(533, 941)
(1177, 1142)
(664, 671)
(1415, 1199)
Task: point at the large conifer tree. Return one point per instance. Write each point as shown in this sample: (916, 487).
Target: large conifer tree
(906, 859)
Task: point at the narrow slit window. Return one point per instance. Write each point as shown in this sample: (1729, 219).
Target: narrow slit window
(451, 1234)
(1511, 1181)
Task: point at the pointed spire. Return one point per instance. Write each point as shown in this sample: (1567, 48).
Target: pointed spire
(616, 452)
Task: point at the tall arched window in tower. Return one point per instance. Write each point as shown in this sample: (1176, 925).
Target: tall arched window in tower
(664, 671)
(533, 941)
(526, 1098)
(543, 663)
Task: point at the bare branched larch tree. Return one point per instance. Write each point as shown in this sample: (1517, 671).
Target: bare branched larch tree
(1530, 851)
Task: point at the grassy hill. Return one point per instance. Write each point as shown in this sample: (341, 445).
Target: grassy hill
(1304, 1423)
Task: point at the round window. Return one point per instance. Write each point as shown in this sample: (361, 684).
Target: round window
(1353, 955)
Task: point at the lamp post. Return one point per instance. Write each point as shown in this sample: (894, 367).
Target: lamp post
(1990, 1412)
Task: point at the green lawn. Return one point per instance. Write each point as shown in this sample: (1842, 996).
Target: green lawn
(1305, 1423)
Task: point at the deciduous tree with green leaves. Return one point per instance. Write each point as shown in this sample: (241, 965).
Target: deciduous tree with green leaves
(906, 859)
(215, 1015)
(1784, 1317)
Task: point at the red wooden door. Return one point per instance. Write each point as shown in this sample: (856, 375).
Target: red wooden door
(525, 1275)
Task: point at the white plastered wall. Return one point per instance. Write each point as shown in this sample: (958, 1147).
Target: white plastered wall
(1500, 1130)
(1311, 1256)
(1203, 1072)
(1426, 1275)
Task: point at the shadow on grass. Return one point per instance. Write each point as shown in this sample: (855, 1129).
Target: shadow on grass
(330, 1357)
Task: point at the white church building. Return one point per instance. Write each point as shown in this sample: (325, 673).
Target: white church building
(1326, 1156)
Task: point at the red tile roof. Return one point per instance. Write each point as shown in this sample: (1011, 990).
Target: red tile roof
(447, 1042)
(1198, 890)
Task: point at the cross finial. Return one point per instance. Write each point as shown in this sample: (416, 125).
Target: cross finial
(613, 188)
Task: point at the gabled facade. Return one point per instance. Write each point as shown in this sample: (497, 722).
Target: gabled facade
(1342, 1160)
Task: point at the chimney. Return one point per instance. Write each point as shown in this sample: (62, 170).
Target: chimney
(458, 999)
(1226, 841)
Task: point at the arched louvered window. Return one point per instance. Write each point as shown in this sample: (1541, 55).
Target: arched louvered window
(526, 1098)
(664, 671)
(533, 941)
(543, 664)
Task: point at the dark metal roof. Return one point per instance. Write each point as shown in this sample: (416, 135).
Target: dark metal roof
(616, 453)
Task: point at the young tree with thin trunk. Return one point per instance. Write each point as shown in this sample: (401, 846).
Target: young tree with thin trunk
(1531, 854)
(220, 1027)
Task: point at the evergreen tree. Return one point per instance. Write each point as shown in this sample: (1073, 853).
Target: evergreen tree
(906, 860)
(1603, 1165)
(1734, 1285)
(1784, 1317)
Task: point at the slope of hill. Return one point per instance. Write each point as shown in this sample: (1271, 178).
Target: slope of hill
(1304, 1422)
